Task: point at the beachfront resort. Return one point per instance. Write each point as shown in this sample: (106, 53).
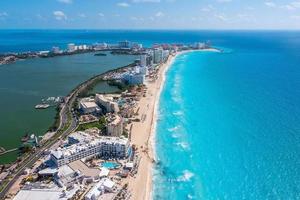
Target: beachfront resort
(107, 154)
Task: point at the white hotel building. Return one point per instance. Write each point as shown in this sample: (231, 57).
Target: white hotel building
(107, 103)
(114, 126)
(111, 147)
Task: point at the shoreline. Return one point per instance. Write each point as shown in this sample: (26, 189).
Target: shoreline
(143, 132)
(144, 177)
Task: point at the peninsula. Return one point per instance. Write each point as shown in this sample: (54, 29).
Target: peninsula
(102, 144)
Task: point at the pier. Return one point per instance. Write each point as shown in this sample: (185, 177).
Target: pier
(8, 151)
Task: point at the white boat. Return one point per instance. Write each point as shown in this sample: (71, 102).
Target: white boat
(42, 106)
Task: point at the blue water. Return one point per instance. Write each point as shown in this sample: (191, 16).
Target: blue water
(110, 165)
(229, 123)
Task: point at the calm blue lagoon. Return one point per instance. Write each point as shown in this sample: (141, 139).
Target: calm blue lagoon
(229, 123)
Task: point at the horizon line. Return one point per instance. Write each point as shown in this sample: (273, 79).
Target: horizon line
(146, 29)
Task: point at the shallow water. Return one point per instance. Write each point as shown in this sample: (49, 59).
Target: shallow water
(229, 123)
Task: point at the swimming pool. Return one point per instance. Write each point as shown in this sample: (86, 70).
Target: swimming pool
(110, 165)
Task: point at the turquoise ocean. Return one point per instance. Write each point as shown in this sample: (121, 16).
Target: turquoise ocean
(228, 124)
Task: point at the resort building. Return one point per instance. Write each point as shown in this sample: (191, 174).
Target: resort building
(166, 53)
(100, 46)
(158, 55)
(200, 45)
(78, 137)
(103, 186)
(134, 78)
(143, 60)
(107, 102)
(88, 106)
(37, 194)
(56, 50)
(71, 47)
(66, 177)
(108, 147)
(137, 46)
(114, 126)
(143, 70)
(124, 44)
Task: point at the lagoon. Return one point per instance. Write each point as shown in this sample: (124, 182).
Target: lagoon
(25, 83)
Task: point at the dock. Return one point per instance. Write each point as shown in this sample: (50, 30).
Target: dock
(8, 151)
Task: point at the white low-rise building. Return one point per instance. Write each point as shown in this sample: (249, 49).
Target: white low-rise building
(108, 147)
(56, 50)
(103, 186)
(71, 47)
(104, 172)
(88, 107)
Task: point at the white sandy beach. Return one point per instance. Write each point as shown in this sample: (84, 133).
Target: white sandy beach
(143, 133)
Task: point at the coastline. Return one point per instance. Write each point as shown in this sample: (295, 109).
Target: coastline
(144, 133)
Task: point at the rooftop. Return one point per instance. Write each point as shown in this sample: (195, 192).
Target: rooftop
(114, 119)
(88, 104)
(87, 143)
(37, 194)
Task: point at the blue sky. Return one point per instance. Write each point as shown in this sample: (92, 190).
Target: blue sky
(150, 14)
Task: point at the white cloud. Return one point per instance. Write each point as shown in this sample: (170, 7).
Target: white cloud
(289, 7)
(3, 14)
(296, 17)
(137, 18)
(100, 14)
(292, 6)
(65, 1)
(59, 15)
(82, 15)
(40, 17)
(123, 4)
(224, 1)
(207, 8)
(249, 8)
(270, 4)
(221, 17)
(246, 17)
(159, 14)
(146, 1)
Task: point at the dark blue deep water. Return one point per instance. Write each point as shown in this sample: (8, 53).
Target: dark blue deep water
(229, 123)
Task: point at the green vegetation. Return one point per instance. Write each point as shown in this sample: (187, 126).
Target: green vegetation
(125, 133)
(121, 86)
(101, 125)
(85, 92)
(56, 122)
(3, 184)
(26, 148)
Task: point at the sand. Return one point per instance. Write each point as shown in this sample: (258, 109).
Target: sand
(143, 132)
(143, 135)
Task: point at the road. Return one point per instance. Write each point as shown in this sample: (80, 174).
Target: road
(65, 111)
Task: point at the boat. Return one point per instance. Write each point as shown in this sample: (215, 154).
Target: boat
(42, 106)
